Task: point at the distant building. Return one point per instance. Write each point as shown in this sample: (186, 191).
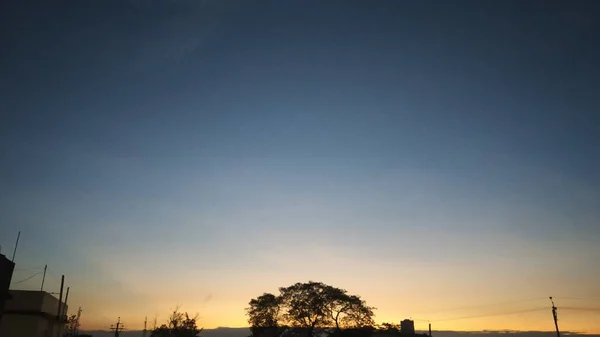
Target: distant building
(32, 314)
(407, 327)
(6, 270)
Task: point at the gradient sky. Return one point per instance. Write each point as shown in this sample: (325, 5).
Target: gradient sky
(426, 155)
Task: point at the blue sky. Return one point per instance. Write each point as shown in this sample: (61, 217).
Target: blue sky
(224, 141)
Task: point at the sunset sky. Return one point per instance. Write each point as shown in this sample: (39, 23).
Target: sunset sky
(439, 158)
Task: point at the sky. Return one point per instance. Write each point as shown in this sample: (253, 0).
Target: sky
(440, 159)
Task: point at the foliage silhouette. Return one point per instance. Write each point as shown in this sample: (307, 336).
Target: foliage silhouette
(179, 325)
(309, 309)
(71, 326)
(389, 328)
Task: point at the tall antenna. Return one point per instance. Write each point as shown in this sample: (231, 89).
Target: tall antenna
(16, 245)
(145, 322)
(555, 316)
(44, 278)
(117, 327)
(154, 326)
(64, 309)
(59, 312)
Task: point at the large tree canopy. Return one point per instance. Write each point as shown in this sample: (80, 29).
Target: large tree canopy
(313, 307)
(263, 315)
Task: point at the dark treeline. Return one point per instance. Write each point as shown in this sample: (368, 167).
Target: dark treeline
(314, 309)
(178, 325)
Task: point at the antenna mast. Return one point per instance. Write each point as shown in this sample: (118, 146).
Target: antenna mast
(555, 316)
(44, 278)
(16, 245)
(118, 327)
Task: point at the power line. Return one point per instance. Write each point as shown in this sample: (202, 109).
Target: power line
(28, 278)
(51, 274)
(489, 315)
(31, 268)
(484, 306)
(580, 298)
(581, 308)
(54, 277)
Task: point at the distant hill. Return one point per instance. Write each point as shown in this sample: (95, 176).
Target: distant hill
(245, 332)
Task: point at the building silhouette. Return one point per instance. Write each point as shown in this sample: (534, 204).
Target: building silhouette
(407, 327)
(6, 271)
(32, 314)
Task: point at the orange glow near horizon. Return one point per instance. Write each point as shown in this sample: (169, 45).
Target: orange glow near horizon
(452, 294)
(466, 294)
(444, 314)
(531, 321)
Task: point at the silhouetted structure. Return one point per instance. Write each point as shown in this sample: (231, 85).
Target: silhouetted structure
(6, 271)
(555, 316)
(117, 328)
(407, 327)
(32, 314)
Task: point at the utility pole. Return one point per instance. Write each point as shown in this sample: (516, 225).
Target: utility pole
(118, 327)
(64, 309)
(429, 329)
(64, 313)
(59, 312)
(555, 316)
(44, 278)
(154, 326)
(145, 322)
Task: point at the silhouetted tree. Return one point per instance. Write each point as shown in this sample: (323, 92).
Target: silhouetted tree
(263, 315)
(388, 330)
(389, 327)
(365, 331)
(308, 309)
(178, 325)
(70, 326)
